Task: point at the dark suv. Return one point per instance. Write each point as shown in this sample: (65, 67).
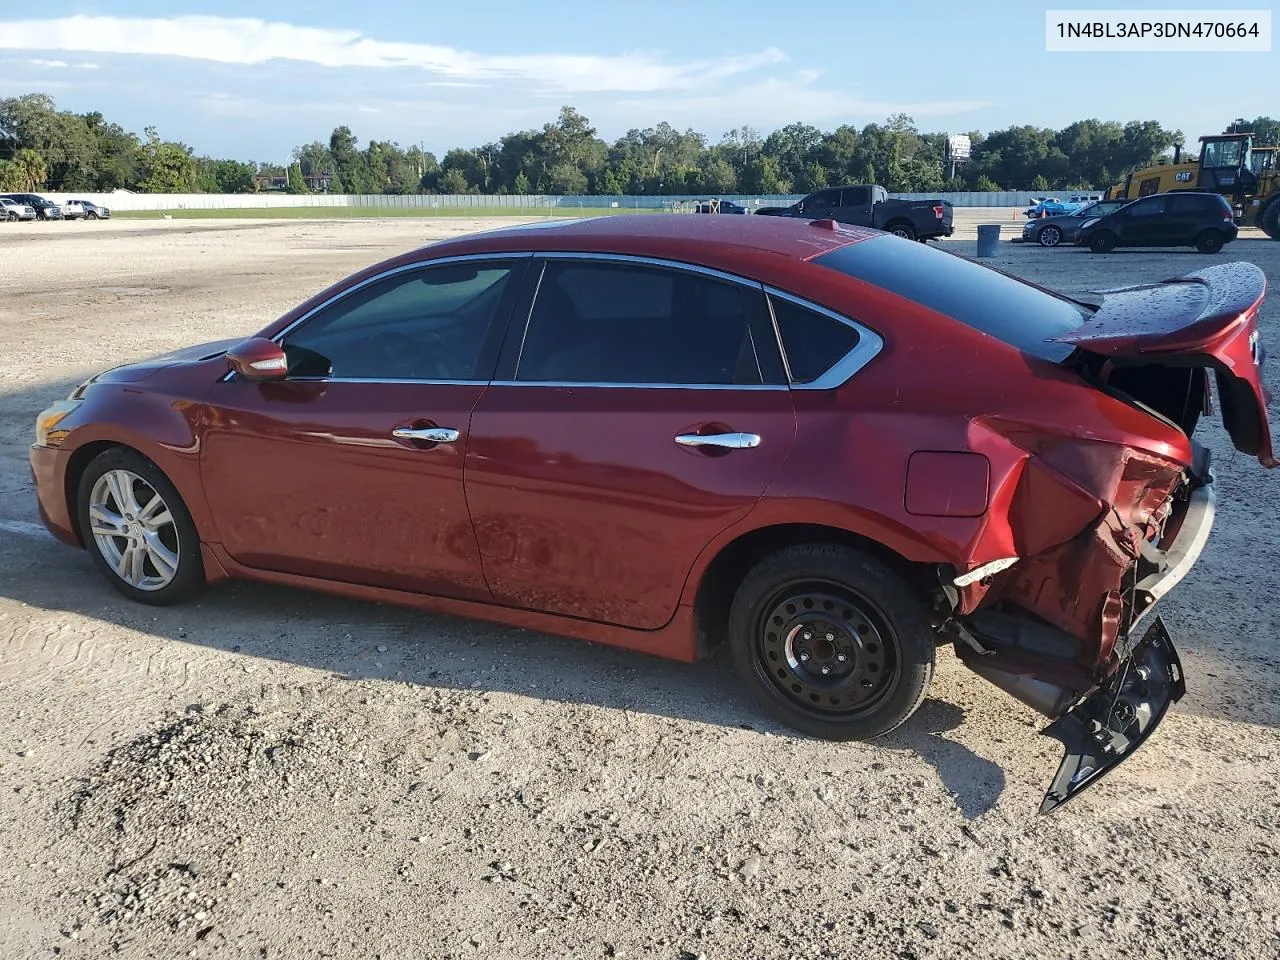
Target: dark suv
(1182, 219)
(45, 209)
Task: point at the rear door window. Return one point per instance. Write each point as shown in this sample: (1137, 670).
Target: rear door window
(995, 303)
(1190, 204)
(856, 197)
(600, 322)
(1153, 207)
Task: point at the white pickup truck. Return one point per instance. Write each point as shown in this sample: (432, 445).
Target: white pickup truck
(12, 210)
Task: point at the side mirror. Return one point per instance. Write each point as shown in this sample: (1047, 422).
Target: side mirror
(258, 359)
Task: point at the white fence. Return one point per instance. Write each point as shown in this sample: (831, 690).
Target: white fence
(523, 204)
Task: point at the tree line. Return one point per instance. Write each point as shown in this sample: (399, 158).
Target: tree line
(42, 147)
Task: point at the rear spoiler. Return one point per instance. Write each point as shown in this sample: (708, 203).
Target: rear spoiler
(1208, 318)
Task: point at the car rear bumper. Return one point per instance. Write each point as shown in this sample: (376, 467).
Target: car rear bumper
(48, 472)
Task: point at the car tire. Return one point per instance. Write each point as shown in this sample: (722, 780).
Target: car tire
(1209, 241)
(903, 230)
(1049, 237)
(831, 641)
(1270, 219)
(115, 493)
(91, 216)
(1102, 242)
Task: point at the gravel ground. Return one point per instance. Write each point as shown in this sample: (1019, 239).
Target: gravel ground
(270, 773)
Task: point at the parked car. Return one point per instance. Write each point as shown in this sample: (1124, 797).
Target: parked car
(73, 210)
(45, 209)
(1053, 207)
(1182, 219)
(1052, 231)
(722, 206)
(654, 433)
(12, 210)
(92, 211)
(869, 206)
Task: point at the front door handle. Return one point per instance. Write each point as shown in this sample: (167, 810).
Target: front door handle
(429, 434)
(729, 441)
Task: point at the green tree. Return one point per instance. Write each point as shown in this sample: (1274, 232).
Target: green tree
(521, 184)
(1039, 184)
(453, 181)
(29, 170)
(295, 182)
(165, 166)
(1266, 131)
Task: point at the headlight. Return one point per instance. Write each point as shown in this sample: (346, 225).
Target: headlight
(47, 432)
(1089, 223)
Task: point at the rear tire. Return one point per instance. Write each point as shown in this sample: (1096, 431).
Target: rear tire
(1209, 241)
(120, 522)
(1049, 237)
(1270, 219)
(903, 230)
(831, 642)
(1103, 242)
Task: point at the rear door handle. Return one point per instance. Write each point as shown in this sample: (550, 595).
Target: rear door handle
(429, 434)
(730, 441)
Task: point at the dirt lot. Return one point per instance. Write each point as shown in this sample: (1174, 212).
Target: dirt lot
(270, 773)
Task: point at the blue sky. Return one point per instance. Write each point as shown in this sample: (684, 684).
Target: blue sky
(251, 80)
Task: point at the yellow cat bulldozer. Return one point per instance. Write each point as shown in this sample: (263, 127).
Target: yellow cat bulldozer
(1229, 164)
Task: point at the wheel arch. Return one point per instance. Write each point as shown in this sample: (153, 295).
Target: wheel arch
(711, 589)
(183, 475)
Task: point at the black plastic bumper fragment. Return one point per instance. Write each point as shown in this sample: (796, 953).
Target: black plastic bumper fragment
(1107, 726)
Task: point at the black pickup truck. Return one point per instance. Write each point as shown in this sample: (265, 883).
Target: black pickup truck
(869, 206)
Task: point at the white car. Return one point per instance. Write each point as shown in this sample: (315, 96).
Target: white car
(10, 210)
(74, 210)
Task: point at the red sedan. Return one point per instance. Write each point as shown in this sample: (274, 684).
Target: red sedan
(828, 447)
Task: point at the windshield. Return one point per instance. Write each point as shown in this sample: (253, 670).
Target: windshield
(995, 303)
(1224, 153)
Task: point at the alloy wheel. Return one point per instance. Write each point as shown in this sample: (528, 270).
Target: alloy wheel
(134, 530)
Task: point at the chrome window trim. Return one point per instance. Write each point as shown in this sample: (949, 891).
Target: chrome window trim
(652, 262)
(394, 271)
(574, 384)
(864, 351)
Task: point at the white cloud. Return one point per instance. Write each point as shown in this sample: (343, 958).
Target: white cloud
(776, 101)
(50, 64)
(252, 41)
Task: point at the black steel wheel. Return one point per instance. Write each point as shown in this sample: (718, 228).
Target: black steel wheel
(832, 642)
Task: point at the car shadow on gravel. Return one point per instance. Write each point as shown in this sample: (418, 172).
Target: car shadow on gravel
(369, 641)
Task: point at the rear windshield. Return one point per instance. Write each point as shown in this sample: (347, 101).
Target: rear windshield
(999, 305)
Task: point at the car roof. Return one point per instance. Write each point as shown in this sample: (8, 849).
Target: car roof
(682, 236)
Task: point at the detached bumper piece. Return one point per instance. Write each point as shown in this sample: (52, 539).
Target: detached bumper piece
(1111, 723)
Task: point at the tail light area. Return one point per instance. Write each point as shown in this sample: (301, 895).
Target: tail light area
(1086, 521)
(938, 211)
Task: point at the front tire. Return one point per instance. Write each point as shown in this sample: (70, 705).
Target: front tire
(138, 530)
(91, 216)
(1103, 242)
(831, 642)
(1209, 241)
(1049, 237)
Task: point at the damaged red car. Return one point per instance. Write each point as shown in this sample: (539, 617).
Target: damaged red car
(830, 448)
